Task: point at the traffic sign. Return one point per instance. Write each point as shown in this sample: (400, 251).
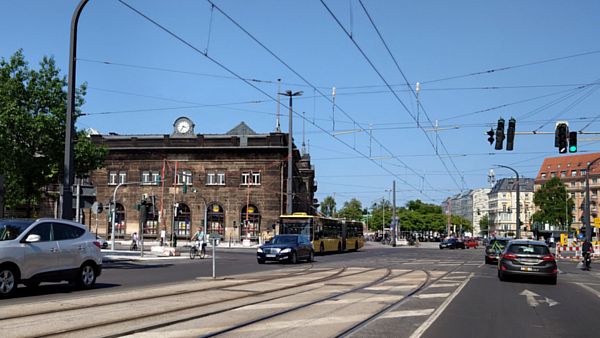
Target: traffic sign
(597, 222)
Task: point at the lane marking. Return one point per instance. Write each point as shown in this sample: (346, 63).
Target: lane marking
(433, 295)
(407, 313)
(419, 331)
(589, 288)
(444, 285)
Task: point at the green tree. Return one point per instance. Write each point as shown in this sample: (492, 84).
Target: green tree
(484, 223)
(554, 206)
(328, 206)
(351, 210)
(381, 215)
(32, 120)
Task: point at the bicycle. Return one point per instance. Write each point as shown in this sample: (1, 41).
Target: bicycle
(133, 246)
(195, 252)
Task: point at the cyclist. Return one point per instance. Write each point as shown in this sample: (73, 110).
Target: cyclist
(587, 250)
(199, 238)
(134, 240)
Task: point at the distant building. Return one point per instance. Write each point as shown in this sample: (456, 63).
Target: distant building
(470, 205)
(571, 171)
(236, 180)
(502, 206)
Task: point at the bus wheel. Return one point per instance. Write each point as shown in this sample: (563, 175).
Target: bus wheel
(321, 249)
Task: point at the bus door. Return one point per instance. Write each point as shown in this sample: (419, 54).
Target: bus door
(344, 234)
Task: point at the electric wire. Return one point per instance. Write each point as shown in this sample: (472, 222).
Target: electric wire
(177, 37)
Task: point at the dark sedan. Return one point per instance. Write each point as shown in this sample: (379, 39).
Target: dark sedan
(527, 258)
(290, 248)
(452, 243)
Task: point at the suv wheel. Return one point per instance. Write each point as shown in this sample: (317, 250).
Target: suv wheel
(87, 277)
(8, 282)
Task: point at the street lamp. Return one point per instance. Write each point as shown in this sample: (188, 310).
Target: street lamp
(114, 211)
(518, 200)
(289, 209)
(588, 226)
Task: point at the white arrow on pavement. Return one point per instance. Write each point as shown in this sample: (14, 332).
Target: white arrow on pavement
(530, 296)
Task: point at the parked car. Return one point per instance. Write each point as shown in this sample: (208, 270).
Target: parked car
(103, 242)
(494, 248)
(527, 258)
(47, 250)
(452, 243)
(471, 243)
(286, 248)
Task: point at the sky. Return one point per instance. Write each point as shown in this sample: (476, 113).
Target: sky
(148, 62)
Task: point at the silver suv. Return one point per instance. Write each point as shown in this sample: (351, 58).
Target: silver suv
(47, 250)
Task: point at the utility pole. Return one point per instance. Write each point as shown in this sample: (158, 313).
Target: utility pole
(289, 208)
(394, 220)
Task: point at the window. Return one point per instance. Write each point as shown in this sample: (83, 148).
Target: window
(594, 180)
(66, 232)
(122, 176)
(553, 174)
(573, 184)
(155, 177)
(146, 177)
(112, 178)
(563, 174)
(573, 173)
(43, 230)
(250, 178)
(583, 171)
(215, 178)
(150, 177)
(543, 175)
(184, 177)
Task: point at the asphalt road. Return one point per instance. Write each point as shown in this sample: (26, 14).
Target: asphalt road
(469, 302)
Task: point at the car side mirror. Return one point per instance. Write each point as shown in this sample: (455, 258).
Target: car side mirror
(33, 238)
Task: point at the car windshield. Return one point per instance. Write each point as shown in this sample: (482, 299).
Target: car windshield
(285, 240)
(529, 249)
(11, 229)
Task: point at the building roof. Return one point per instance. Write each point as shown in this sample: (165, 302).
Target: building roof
(508, 184)
(567, 163)
(241, 129)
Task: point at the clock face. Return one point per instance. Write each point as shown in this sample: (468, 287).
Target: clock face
(183, 126)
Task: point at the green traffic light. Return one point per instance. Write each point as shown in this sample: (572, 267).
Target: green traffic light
(572, 149)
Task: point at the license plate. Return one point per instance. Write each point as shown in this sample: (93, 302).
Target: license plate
(270, 255)
(528, 269)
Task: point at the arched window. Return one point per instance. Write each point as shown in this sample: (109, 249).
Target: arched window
(215, 220)
(182, 221)
(250, 223)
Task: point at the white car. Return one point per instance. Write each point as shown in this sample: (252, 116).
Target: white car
(47, 250)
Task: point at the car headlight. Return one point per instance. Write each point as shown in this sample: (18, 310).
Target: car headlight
(286, 250)
(259, 250)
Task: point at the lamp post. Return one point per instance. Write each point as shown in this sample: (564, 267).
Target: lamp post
(518, 201)
(69, 158)
(114, 211)
(587, 216)
(289, 209)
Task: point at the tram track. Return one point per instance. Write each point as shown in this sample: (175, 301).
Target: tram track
(187, 311)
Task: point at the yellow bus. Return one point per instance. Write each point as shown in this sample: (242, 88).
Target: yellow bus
(326, 234)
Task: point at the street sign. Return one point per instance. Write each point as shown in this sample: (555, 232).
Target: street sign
(597, 222)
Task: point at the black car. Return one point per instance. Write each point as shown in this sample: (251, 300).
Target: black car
(452, 243)
(494, 248)
(527, 258)
(289, 248)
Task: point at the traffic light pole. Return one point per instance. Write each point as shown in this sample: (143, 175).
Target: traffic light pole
(518, 236)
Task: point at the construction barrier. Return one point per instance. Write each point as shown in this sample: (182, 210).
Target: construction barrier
(564, 251)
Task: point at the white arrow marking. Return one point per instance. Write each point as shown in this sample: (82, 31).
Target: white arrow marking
(530, 296)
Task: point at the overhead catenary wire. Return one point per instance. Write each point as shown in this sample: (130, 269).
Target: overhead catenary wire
(177, 37)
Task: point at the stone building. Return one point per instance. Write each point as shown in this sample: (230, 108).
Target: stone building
(503, 206)
(235, 183)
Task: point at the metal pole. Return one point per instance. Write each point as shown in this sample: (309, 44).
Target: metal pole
(213, 240)
(395, 222)
(69, 158)
(289, 207)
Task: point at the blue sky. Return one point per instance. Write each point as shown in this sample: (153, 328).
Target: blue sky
(545, 55)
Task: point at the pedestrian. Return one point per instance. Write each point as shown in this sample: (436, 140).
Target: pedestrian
(586, 251)
(163, 235)
(134, 240)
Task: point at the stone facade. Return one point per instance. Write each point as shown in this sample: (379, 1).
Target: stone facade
(237, 180)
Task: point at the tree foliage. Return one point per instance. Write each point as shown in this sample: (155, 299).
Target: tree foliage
(554, 206)
(32, 120)
(328, 206)
(351, 210)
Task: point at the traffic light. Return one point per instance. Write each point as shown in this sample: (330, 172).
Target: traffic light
(561, 134)
(510, 134)
(491, 136)
(500, 134)
(573, 142)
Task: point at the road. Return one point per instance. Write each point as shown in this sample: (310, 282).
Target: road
(379, 291)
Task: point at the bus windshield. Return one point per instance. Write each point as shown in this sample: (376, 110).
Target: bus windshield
(296, 227)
